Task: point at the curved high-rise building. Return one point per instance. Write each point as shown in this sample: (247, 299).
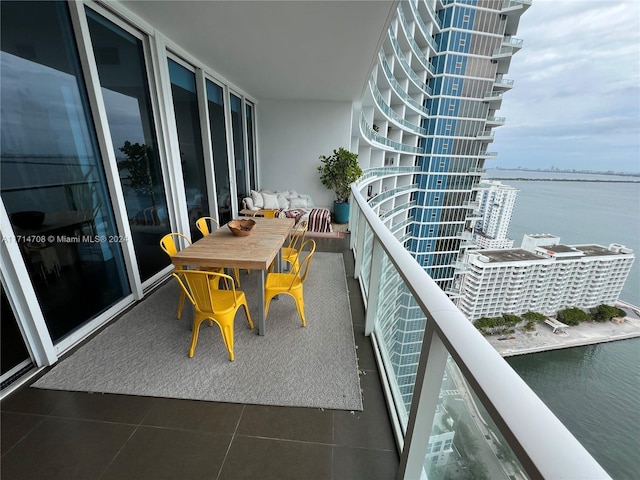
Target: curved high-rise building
(427, 121)
(425, 130)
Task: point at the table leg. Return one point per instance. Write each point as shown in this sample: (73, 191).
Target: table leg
(261, 323)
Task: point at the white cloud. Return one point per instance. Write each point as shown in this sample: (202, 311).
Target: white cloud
(576, 98)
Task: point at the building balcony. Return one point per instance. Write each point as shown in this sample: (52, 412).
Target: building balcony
(488, 154)
(494, 99)
(496, 121)
(486, 136)
(503, 84)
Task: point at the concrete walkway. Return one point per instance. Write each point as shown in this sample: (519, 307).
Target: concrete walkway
(542, 338)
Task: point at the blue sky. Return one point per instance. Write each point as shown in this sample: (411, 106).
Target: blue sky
(575, 103)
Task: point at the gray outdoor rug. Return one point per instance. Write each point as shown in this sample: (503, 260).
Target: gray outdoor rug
(145, 352)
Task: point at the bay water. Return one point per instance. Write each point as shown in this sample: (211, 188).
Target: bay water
(593, 390)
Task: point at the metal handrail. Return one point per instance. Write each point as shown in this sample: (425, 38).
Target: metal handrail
(547, 452)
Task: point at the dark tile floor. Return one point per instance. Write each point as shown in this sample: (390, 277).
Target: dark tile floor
(52, 435)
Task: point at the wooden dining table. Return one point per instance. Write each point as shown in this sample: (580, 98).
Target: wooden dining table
(255, 251)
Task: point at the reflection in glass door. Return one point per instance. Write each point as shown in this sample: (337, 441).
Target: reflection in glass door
(238, 148)
(251, 147)
(215, 104)
(121, 67)
(14, 355)
(185, 106)
(52, 179)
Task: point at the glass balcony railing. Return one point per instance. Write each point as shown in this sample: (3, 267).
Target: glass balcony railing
(426, 89)
(415, 48)
(390, 193)
(390, 113)
(507, 4)
(369, 133)
(397, 88)
(497, 120)
(405, 207)
(502, 52)
(513, 41)
(504, 83)
(492, 96)
(448, 388)
(434, 18)
(382, 172)
(488, 154)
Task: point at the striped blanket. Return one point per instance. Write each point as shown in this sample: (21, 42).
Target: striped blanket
(319, 218)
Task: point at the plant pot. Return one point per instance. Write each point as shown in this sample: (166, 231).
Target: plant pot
(340, 212)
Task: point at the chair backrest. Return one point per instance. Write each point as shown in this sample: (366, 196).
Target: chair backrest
(303, 270)
(169, 243)
(197, 286)
(297, 236)
(203, 226)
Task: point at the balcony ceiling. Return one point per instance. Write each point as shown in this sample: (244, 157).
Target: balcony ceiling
(311, 50)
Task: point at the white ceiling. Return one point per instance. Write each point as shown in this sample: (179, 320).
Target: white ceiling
(304, 49)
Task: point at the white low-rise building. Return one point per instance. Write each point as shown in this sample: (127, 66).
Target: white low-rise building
(542, 276)
(495, 204)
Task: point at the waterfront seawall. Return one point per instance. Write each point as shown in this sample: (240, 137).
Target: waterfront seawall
(543, 339)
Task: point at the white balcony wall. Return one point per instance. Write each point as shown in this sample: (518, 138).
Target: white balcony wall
(291, 137)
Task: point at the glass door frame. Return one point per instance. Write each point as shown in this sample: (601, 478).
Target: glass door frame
(207, 146)
(201, 84)
(245, 142)
(22, 298)
(171, 177)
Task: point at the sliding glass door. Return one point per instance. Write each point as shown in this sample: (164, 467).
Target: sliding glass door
(218, 132)
(251, 147)
(52, 179)
(121, 67)
(242, 188)
(185, 106)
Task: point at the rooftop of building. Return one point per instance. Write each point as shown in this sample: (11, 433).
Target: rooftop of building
(519, 254)
(595, 250)
(508, 255)
(559, 248)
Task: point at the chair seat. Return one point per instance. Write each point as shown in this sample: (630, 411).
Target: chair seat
(226, 300)
(282, 281)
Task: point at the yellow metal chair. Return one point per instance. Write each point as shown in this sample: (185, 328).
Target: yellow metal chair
(169, 243)
(202, 224)
(291, 252)
(219, 306)
(290, 283)
(172, 243)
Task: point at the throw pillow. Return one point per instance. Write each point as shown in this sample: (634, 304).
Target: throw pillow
(270, 201)
(282, 201)
(298, 202)
(308, 198)
(258, 201)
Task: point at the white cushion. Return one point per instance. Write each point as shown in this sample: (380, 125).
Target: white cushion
(282, 201)
(298, 202)
(270, 201)
(308, 198)
(258, 201)
(293, 193)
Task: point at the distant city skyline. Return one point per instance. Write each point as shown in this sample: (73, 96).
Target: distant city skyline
(576, 99)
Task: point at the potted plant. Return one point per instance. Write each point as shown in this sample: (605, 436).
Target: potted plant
(337, 172)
